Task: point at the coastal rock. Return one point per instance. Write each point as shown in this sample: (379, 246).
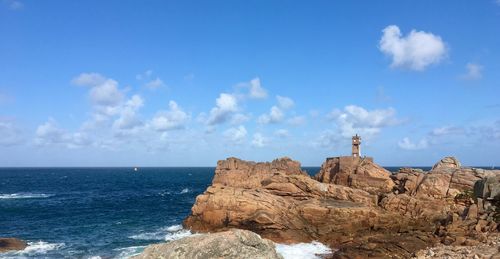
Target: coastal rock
(9, 244)
(234, 243)
(355, 206)
(488, 188)
(447, 163)
(356, 172)
(245, 174)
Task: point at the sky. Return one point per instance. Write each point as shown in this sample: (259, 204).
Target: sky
(188, 83)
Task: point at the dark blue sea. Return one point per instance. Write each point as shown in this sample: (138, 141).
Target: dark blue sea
(97, 212)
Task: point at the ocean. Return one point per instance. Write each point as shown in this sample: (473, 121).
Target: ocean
(100, 212)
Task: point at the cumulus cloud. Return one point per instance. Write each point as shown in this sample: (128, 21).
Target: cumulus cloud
(415, 51)
(275, 115)
(225, 106)
(357, 120)
(236, 135)
(256, 91)
(10, 134)
(50, 134)
(149, 81)
(89, 79)
(277, 112)
(259, 140)
(473, 72)
(174, 118)
(128, 117)
(285, 102)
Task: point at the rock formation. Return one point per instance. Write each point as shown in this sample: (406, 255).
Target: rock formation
(356, 172)
(8, 244)
(352, 204)
(238, 244)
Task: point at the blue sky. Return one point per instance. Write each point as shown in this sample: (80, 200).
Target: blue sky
(187, 83)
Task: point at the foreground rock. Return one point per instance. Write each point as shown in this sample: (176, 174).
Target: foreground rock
(229, 244)
(488, 249)
(9, 244)
(352, 204)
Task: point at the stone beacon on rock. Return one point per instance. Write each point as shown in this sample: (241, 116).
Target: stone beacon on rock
(356, 146)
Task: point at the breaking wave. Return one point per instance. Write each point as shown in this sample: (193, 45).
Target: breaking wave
(128, 252)
(169, 233)
(311, 250)
(25, 196)
(185, 190)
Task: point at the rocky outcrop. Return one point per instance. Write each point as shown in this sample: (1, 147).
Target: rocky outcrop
(352, 204)
(234, 243)
(447, 163)
(245, 174)
(9, 244)
(356, 172)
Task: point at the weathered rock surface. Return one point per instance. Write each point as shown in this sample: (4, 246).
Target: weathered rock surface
(488, 249)
(447, 163)
(9, 244)
(356, 172)
(352, 204)
(234, 243)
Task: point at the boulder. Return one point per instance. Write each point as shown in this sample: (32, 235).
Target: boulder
(488, 188)
(447, 163)
(8, 244)
(234, 243)
(356, 172)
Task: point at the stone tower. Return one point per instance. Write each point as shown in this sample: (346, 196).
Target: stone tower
(356, 146)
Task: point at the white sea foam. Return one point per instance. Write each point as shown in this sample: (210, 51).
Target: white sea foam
(185, 190)
(26, 195)
(128, 252)
(38, 248)
(311, 250)
(169, 233)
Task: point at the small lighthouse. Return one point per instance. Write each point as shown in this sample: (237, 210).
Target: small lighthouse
(356, 146)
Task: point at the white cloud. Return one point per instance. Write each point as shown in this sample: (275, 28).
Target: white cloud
(174, 118)
(239, 118)
(282, 133)
(407, 144)
(236, 135)
(225, 106)
(256, 90)
(10, 134)
(154, 84)
(259, 140)
(277, 112)
(328, 139)
(128, 118)
(474, 72)
(285, 102)
(88, 79)
(416, 51)
(357, 120)
(275, 115)
(50, 134)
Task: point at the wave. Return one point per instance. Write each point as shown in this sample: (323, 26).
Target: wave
(34, 249)
(128, 252)
(185, 190)
(26, 195)
(169, 233)
(311, 250)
